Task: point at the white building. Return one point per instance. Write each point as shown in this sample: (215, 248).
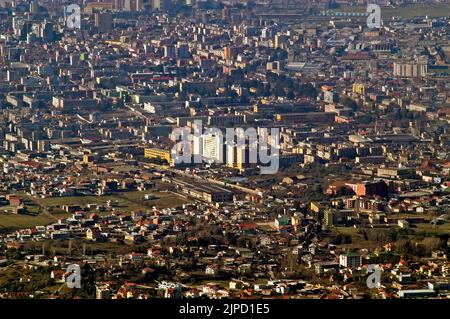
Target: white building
(213, 148)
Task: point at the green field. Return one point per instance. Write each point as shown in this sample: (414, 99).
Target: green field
(47, 210)
(443, 229)
(436, 10)
(126, 201)
(8, 220)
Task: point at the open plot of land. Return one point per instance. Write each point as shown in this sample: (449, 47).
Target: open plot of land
(438, 10)
(443, 229)
(12, 271)
(416, 10)
(8, 220)
(127, 202)
(162, 200)
(77, 200)
(79, 246)
(372, 238)
(356, 237)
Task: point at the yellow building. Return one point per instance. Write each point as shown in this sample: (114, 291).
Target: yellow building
(237, 156)
(330, 218)
(315, 207)
(157, 153)
(359, 88)
(296, 220)
(88, 158)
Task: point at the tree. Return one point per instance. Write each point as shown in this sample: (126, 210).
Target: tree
(87, 281)
(348, 102)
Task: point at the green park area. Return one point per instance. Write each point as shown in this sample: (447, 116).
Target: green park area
(410, 11)
(371, 238)
(42, 211)
(436, 10)
(9, 221)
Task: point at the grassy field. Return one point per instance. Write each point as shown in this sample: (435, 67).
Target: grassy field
(349, 231)
(8, 220)
(422, 232)
(443, 229)
(127, 202)
(436, 10)
(357, 239)
(92, 248)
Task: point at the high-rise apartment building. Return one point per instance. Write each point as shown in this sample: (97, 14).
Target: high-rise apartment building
(213, 148)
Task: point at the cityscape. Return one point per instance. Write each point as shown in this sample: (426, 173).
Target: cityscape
(225, 149)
